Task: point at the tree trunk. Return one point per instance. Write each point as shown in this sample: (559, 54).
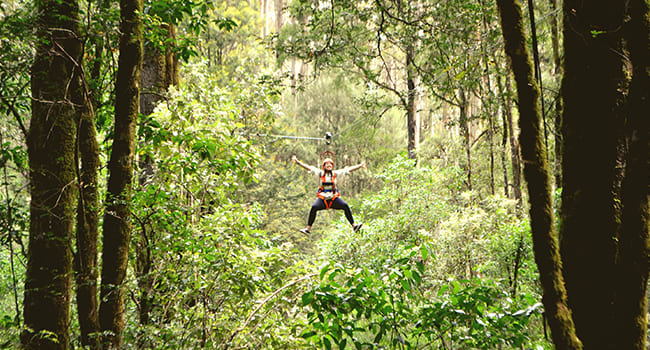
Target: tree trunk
(171, 59)
(264, 17)
(411, 108)
(87, 231)
(86, 265)
(85, 262)
(153, 78)
(504, 140)
(515, 153)
(51, 150)
(557, 71)
(487, 107)
(464, 129)
(504, 162)
(632, 270)
(593, 89)
(491, 145)
(537, 176)
(117, 217)
(279, 5)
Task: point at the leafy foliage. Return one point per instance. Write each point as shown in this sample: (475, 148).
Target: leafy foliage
(429, 267)
(392, 308)
(201, 259)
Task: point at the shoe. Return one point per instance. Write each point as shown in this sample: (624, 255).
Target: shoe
(357, 227)
(305, 231)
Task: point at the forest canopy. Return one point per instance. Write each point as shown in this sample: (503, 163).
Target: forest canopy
(318, 174)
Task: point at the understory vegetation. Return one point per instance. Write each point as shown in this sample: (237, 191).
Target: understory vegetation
(417, 94)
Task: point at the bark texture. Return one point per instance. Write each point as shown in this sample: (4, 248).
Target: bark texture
(411, 108)
(51, 151)
(557, 71)
(87, 231)
(537, 175)
(634, 248)
(117, 217)
(515, 153)
(594, 87)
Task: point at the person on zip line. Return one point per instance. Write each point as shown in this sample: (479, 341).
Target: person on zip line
(328, 194)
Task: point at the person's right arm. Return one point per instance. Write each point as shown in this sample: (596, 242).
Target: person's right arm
(302, 164)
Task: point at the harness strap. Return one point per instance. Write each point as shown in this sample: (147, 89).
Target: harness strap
(322, 189)
(328, 202)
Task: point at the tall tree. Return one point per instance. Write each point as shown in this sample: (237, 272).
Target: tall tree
(557, 71)
(631, 316)
(87, 227)
(604, 200)
(536, 172)
(51, 147)
(412, 115)
(515, 153)
(117, 216)
(594, 88)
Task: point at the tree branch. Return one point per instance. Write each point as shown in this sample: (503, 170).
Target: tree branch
(254, 312)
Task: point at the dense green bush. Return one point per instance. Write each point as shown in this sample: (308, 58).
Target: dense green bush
(391, 308)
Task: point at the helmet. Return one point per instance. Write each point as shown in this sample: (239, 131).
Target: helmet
(327, 160)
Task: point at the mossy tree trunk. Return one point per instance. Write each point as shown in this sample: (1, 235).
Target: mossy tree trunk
(557, 71)
(504, 134)
(593, 89)
(464, 130)
(85, 263)
(51, 151)
(515, 153)
(87, 231)
(117, 217)
(537, 175)
(634, 246)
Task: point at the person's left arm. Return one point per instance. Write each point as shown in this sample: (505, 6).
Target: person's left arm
(356, 167)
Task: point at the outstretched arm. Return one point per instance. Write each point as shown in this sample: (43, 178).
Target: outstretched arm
(357, 167)
(295, 160)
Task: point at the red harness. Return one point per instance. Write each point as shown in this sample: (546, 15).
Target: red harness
(333, 189)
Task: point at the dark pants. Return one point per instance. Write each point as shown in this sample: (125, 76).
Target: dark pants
(337, 203)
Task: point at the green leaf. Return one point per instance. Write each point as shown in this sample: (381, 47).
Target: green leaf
(417, 278)
(333, 274)
(308, 334)
(307, 298)
(325, 267)
(424, 251)
(327, 344)
(379, 335)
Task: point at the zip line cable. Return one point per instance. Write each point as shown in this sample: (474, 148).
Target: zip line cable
(327, 138)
